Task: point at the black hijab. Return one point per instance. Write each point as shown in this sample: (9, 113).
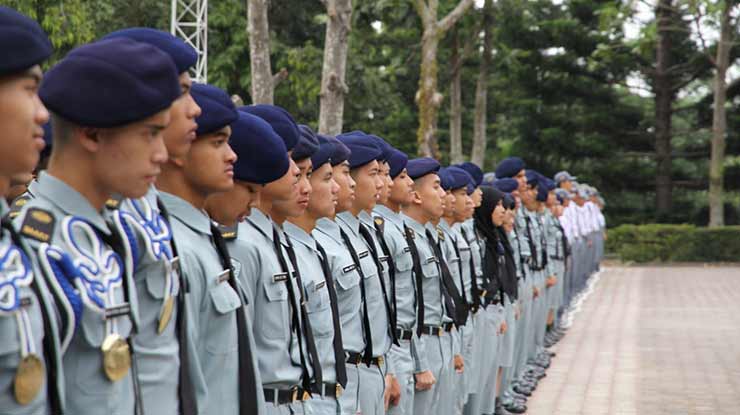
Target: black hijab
(499, 268)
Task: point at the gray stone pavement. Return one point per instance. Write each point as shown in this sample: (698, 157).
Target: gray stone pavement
(650, 340)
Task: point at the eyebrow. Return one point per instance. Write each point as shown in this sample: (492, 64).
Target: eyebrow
(156, 126)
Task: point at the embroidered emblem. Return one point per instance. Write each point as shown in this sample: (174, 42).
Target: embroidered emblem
(18, 203)
(320, 285)
(114, 202)
(38, 224)
(228, 232)
(15, 273)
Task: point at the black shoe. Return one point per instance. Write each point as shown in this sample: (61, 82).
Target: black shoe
(522, 390)
(516, 408)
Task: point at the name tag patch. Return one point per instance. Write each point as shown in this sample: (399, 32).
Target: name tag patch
(283, 276)
(407, 249)
(430, 260)
(349, 268)
(320, 285)
(363, 254)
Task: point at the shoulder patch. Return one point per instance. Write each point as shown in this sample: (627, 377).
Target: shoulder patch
(17, 205)
(38, 224)
(228, 232)
(441, 234)
(410, 233)
(114, 202)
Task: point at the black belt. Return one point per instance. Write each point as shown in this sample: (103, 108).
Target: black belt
(284, 396)
(327, 390)
(402, 334)
(354, 358)
(437, 330)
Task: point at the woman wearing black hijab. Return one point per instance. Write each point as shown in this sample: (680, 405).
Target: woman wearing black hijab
(488, 218)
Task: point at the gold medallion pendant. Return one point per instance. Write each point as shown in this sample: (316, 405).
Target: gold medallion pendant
(29, 377)
(166, 314)
(116, 357)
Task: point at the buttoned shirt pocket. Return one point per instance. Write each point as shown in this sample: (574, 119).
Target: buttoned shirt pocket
(319, 309)
(349, 277)
(225, 303)
(404, 266)
(429, 267)
(9, 346)
(273, 320)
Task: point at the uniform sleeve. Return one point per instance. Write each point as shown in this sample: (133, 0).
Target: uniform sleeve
(418, 352)
(193, 274)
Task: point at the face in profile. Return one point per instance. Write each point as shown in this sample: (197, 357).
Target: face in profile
(209, 166)
(180, 134)
(346, 193)
(325, 192)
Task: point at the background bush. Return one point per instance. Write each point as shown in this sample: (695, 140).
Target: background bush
(681, 243)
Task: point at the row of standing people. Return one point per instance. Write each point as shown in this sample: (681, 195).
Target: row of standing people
(178, 255)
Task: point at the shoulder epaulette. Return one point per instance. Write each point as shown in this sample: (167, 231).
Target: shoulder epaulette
(380, 224)
(17, 205)
(38, 224)
(441, 234)
(114, 202)
(228, 232)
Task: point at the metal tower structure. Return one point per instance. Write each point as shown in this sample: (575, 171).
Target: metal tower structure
(190, 23)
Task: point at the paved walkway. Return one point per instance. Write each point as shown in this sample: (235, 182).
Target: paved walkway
(650, 340)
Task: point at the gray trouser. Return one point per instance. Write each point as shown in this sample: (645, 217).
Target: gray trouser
(425, 401)
(372, 389)
(285, 409)
(350, 399)
(405, 376)
(448, 378)
(320, 405)
(495, 316)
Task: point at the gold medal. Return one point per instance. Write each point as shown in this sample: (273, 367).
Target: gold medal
(116, 357)
(166, 314)
(29, 378)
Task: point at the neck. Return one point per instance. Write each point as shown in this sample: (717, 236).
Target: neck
(449, 219)
(306, 221)
(267, 207)
(4, 186)
(172, 180)
(396, 207)
(80, 177)
(355, 210)
(434, 221)
(416, 214)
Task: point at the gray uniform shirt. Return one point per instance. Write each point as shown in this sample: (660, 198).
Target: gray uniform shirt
(317, 297)
(373, 291)
(76, 231)
(22, 323)
(211, 304)
(157, 353)
(347, 279)
(253, 253)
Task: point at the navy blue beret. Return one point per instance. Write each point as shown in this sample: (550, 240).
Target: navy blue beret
(23, 43)
(533, 177)
(489, 178)
(457, 177)
(471, 188)
(307, 145)
(362, 150)
(182, 54)
(261, 154)
(279, 119)
(217, 109)
(549, 184)
(444, 179)
(384, 146)
(397, 161)
(323, 153)
(422, 166)
(110, 83)
(506, 185)
(509, 167)
(542, 193)
(509, 202)
(341, 152)
(473, 170)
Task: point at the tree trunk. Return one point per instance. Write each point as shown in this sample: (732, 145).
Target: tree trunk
(719, 121)
(480, 121)
(456, 155)
(664, 97)
(259, 52)
(428, 98)
(333, 86)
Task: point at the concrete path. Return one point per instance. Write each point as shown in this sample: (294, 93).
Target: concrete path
(650, 341)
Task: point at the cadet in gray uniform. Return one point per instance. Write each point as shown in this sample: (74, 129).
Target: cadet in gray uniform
(215, 300)
(318, 281)
(32, 375)
(347, 279)
(82, 255)
(360, 240)
(427, 204)
(390, 227)
(287, 355)
(166, 387)
(261, 159)
(455, 181)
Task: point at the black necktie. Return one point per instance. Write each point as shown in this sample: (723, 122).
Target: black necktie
(306, 326)
(460, 268)
(50, 352)
(389, 311)
(392, 274)
(418, 275)
(341, 364)
(185, 388)
(452, 299)
(368, 355)
(473, 278)
(247, 385)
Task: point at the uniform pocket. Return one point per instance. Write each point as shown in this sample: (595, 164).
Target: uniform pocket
(319, 309)
(225, 302)
(273, 320)
(349, 277)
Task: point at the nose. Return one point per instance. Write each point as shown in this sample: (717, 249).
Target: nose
(42, 114)
(194, 110)
(231, 156)
(160, 155)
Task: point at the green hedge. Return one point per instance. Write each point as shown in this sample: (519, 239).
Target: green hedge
(679, 243)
